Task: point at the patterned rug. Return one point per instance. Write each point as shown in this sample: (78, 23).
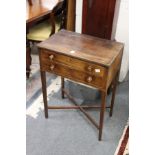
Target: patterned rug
(123, 146)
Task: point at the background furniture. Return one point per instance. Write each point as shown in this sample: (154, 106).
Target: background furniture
(85, 59)
(98, 18)
(30, 2)
(34, 13)
(71, 9)
(42, 30)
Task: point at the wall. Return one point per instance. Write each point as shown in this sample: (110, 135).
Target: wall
(122, 35)
(122, 31)
(78, 24)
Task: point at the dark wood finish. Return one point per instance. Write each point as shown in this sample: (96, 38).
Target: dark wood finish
(43, 80)
(113, 94)
(74, 107)
(114, 68)
(39, 9)
(103, 95)
(78, 57)
(30, 2)
(97, 18)
(61, 11)
(62, 87)
(83, 47)
(73, 74)
(71, 9)
(28, 59)
(87, 51)
(52, 57)
(35, 11)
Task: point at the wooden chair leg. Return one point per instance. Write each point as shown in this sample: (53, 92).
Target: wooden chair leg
(113, 95)
(102, 109)
(43, 80)
(28, 59)
(62, 87)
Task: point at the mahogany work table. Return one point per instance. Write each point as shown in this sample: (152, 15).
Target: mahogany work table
(85, 59)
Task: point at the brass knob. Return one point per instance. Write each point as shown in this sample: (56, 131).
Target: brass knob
(89, 79)
(52, 67)
(90, 68)
(51, 57)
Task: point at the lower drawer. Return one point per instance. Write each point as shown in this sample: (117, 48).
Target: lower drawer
(64, 71)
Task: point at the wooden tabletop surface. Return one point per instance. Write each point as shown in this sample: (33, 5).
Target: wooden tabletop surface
(83, 47)
(39, 8)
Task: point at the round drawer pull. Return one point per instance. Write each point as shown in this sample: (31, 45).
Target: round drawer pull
(52, 67)
(51, 57)
(90, 68)
(89, 79)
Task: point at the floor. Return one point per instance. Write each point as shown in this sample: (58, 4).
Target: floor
(68, 132)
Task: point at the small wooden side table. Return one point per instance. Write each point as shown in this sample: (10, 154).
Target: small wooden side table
(85, 59)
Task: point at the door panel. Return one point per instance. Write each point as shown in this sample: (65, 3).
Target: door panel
(97, 18)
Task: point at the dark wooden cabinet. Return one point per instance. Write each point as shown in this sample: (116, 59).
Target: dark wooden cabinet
(98, 18)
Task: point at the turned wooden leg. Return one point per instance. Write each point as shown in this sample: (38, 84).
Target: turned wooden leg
(62, 87)
(102, 109)
(28, 60)
(43, 80)
(113, 95)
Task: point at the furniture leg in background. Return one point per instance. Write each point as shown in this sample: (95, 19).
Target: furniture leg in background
(28, 59)
(62, 87)
(37, 11)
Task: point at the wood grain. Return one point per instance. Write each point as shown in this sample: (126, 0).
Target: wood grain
(84, 47)
(73, 63)
(39, 8)
(97, 18)
(76, 56)
(72, 74)
(71, 15)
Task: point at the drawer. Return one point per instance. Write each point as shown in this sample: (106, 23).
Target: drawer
(47, 57)
(70, 73)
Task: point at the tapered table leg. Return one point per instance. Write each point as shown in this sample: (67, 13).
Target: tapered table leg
(113, 95)
(102, 109)
(62, 87)
(43, 80)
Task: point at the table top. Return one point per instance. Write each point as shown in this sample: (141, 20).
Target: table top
(39, 8)
(84, 47)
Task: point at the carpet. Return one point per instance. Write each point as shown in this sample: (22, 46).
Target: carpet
(123, 146)
(68, 132)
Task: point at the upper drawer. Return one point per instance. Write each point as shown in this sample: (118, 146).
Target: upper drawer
(47, 57)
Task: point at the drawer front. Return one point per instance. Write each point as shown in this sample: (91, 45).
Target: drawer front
(65, 71)
(79, 65)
